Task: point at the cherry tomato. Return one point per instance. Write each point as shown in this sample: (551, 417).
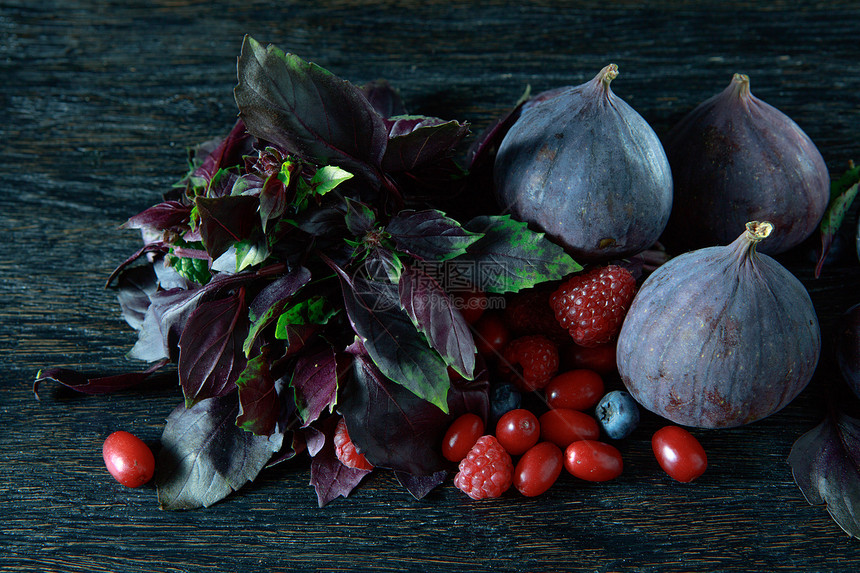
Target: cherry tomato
(679, 453)
(491, 335)
(600, 358)
(472, 304)
(538, 469)
(562, 426)
(517, 431)
(579, 389)
(461, 436)
(128, 459)
(593, 461)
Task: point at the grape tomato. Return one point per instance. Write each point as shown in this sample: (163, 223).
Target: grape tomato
(128, 459)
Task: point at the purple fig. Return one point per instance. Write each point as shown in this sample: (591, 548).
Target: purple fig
(719, 337)
(735, 159)
(848, 347)
(581, 165)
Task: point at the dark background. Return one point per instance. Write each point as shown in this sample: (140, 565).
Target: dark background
(99, 101)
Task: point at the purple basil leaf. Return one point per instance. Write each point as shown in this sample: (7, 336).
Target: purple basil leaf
(205, 456)
(420, 486)
(134, 287)
(273, 199)
(259, 404)
(418, 140)
(308, 111)
(842, 194)
(329, 476)
(825, 463)
(226, 220)
(509, 256)
(156, 247)
(97, 385)
(471, 395)
(161, 217)
(432, 312)
(359, 217)
(271, 301)
(226, 153)
(315, 383)
(384, 98)
(164, 322)
(391, 426)
(429, 234)
(210, 348)
(392, 341)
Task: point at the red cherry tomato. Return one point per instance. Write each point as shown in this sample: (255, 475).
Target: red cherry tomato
(679, 453)
(538, 469)
(562, 426)
(128, 459)
(491, 335)
(472, 304)
(517, 431)
(600, 358)
(579, 389)
(593, 461)
(461, 436)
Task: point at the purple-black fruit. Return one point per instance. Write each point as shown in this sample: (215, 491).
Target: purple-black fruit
(848, 347)
(581, 165)
(735, 159)
(719, 337)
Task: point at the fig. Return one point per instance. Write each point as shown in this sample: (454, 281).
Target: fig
(736, 158)
(848, 347)
(719, 337)
(584, 167)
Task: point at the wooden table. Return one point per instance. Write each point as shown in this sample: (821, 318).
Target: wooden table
(100, 101)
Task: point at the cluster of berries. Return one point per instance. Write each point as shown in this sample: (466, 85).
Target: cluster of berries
(551, 343)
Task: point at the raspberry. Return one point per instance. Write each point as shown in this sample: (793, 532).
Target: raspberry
(592, 305)
(530, 361)
(345, 450)
(486, 471)
(529, 312)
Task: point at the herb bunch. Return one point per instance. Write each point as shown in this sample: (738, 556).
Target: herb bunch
(302, 271)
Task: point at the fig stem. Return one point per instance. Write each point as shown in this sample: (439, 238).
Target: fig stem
(740, 85)
(606, 75)
(758, 230)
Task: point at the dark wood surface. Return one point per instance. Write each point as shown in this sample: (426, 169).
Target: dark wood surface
(99, 101)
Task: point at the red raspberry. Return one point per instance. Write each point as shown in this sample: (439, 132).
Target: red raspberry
(592, 305)
(345, 450)
(529, 312)
(530, 361)
(486, 471)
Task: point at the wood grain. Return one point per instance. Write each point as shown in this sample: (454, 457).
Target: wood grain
(100, 101)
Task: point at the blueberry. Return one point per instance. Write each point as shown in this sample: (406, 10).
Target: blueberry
(504, 397)
(618, 414)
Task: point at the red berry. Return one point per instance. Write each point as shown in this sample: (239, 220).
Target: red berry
(575, 389)
(593, 461)
(461, 436)
(563, 426)
(679, 453)
(345, 450)
(592, 305)
(530, 361)
(538, 469)
(487, 471)
(600, 358)
(517, 431)
(491, 335)
(529, 312)
(128, 459)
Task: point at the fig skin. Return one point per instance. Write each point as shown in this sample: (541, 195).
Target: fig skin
(584, 167)
(719, 337)
(848, 347)
(736, 158)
